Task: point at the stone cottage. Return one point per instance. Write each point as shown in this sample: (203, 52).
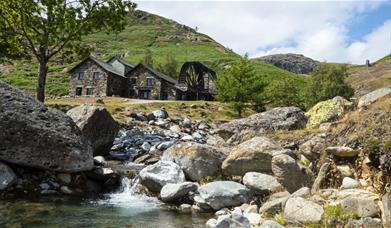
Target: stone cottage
(147, 83)
(116, 77)
(93, 77)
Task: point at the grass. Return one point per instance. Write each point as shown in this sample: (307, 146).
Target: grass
(118, 108)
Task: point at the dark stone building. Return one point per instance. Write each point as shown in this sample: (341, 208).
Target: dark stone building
(116, 77)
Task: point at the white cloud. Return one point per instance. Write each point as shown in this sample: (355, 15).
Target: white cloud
(316, 29)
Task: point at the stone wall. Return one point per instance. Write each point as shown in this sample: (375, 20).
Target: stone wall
(99, 86)
(116, 85)
(141, 75)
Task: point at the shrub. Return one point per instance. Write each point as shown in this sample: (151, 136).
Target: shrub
(372, 149)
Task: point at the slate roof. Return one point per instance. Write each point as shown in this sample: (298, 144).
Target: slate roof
(104, 65)
(121, 61)
(155, 72)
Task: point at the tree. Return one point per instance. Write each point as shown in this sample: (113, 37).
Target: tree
(48, 27)
(285, 92)
(241, 86)
(169, 67)
(327, 82)
(148, 58)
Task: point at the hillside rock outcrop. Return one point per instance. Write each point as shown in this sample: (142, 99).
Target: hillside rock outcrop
(96, 125)
(34, 135)
(295, 63)
(240, 130)
(373, 96)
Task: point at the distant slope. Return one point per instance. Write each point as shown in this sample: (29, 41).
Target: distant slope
(295, 63)
(366, 79)
(160, 35)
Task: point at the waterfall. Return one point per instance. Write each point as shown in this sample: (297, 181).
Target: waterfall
(127, 196)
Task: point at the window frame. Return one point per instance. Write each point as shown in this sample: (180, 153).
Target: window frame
(96, 73)
(81, 91)
(149, 80)
(91, 90)
(79, 74)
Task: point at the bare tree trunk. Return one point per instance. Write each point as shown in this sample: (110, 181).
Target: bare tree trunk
(43, 70)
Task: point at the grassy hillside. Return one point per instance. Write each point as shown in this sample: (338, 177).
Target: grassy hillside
(364, 79)
(144, 31)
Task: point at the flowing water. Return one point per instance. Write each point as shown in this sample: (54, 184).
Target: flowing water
(125, 208)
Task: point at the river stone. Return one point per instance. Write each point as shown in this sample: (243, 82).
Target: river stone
(34, 135)
(327, 111)
(271, 224)
(365, 223)
(7, 176)
(342, 151)
(155, 176)
(361, 202)
(254, 155)
(386, 215)
(240, 130)
(373, 96)
(96, 125)
(272, 207)
(196, 160)
(312, 148)
(173, 192)
(301, 211)
(290, 174)
(348, 182)
(220, 194)
(262, 183)
(235, 220)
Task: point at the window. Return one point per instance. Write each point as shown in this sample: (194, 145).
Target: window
(145, 94)
(81, 75)
(96, 76)
(78, 91)
(90, 91)
(149, 81)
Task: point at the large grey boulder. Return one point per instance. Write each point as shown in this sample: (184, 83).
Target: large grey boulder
(272, 207)
(373, 96)
(254, 155)
(313, 148)
(287, 118)
(155, 176)
(386, 209)
(96, 125)
(196, 160)
(342, 151)
(36, 136)
(262, 183)
(290, 174)
(174, 192)
(234, 220)
(220, 194)
(7, 176)
(360, 202)
(301, 211)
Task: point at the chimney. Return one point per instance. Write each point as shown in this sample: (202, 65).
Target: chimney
(367, 63)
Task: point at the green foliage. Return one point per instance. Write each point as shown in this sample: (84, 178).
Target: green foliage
(148, 58)
(372, 147)
(387, 146)
(279, 218)
(327, 82)
(338, 212)
(286, 92)
(240, 86)
(206, 180)
(169, 67)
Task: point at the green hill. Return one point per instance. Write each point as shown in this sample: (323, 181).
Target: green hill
(160, 35)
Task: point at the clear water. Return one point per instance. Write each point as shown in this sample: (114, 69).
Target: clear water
(125, 208)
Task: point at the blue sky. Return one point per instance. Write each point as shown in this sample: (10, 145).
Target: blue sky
(333, 31)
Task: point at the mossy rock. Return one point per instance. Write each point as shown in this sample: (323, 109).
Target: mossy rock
(327, 111)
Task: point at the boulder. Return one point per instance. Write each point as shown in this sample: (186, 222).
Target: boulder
(160, 114)
(301, 211)
(290, 174)
(240, 130)
(312, 148)
(96, 125)
(348, 182)
(7, 176)
(361, 202)
(365, 223)
(174, 192)
(342, 151)
(196, 160)
(34, 135)
(302, 192)
(262, 183)
(373, 96)
(234, 220)
(386, 209)
(220, 194)
(327, 111)
(254, 155)
(155, 176)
